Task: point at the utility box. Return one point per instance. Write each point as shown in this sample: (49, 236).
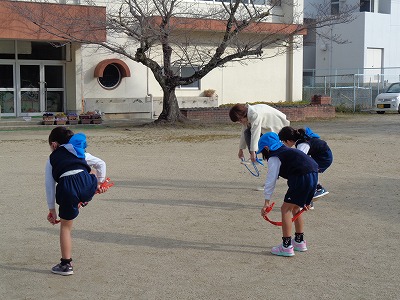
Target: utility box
(321, 100)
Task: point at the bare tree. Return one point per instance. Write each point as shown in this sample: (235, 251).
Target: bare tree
(165, 34)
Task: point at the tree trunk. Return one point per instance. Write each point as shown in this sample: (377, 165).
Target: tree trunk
(171, 112)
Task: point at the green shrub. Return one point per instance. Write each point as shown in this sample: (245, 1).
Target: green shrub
(274, 104)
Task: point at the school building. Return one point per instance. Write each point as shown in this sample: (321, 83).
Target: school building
(40, 72)
(370, 41)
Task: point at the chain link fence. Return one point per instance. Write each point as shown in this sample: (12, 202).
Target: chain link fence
(349, 91)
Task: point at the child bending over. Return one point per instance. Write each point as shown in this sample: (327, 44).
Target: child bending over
(301, 172)
(70, 181)
(311, 144)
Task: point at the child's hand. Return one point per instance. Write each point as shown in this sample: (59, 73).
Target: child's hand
(52, 216)
(240, 154)
(101, 189)
(266, 208)
(253, 156)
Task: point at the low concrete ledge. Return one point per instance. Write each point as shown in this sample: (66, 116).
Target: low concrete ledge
(293, 113)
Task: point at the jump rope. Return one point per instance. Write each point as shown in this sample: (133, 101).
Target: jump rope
(105, 185)
(276, 223)
(255, 172)
(253, 169)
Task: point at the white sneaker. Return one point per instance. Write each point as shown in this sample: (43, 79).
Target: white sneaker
(260, 188)
(246, 162)
(312, 205)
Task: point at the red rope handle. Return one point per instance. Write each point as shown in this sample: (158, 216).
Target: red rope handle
(269, 208)
(105, 185)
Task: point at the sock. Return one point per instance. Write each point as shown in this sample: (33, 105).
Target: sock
(65, 261)
(299, 237)
(287, 241)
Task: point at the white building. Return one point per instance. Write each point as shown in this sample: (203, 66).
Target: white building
(373, 40)
(40, 72)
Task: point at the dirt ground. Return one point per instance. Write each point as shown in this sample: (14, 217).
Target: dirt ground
(183, 219)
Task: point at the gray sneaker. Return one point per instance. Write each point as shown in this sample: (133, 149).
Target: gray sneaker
(63, 269)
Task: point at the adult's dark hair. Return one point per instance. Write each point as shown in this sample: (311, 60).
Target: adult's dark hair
(288, 133)
(60, 135)
(238, 112)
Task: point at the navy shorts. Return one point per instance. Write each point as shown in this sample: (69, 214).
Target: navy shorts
(73, 189)
(301, 189)
(324, 161)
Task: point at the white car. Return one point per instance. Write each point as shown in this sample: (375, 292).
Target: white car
(388, 101)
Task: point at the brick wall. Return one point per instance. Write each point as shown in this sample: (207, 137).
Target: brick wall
(293, 113)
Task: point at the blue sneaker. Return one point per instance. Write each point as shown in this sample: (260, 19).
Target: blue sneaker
(320, 192)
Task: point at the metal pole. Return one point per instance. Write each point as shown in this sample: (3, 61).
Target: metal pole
(379, 83)
(354, 93)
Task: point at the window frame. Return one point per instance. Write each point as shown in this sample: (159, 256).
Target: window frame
(119, 77)
(367, 5)
(335, 7)
(265, 2)
(177, 70)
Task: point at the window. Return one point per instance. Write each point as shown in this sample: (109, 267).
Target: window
(186, 72)
(41, 51)
(256, 2)
(73, 1)
(111, 77)
(311, 38)
(366, 5)
(334, 7)
(272, 2)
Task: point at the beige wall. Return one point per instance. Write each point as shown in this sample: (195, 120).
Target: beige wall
(273, 79)
(256, 80)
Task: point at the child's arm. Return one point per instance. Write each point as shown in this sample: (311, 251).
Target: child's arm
(50, 185)
(274, 165)
(98, 164)
(303, 147)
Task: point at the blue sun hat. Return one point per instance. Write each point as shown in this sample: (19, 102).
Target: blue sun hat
(310, 134)
(78, 141)
(270, 139)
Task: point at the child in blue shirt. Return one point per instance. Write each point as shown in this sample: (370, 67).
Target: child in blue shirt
(310, 143)
(301, 172)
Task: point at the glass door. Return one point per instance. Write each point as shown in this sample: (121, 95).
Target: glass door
(54, 88)
(30, 94)
(7, 90)
(41, 88)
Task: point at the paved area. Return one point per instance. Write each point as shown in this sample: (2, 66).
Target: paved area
(183, 219)
(36, 123)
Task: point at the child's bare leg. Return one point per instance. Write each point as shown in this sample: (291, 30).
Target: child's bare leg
(66, 238)
(299, 224)
(286, 211)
